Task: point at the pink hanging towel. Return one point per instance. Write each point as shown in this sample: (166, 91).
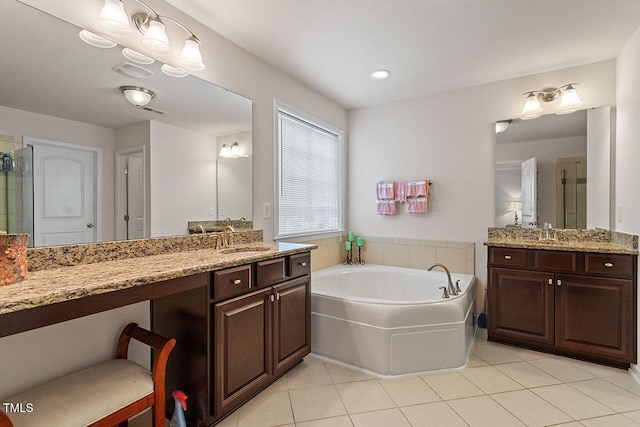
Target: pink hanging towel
(418, 188)
(386, 190)
(386, 207)
(417, 193)
(401, 191)
(416, 205)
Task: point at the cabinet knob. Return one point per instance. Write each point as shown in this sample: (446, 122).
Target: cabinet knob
(550, 281)
(271, 298)
(559, 282)
(304, 264)
(237, 282)
(507, 257)
(278, 296)
(608, 264)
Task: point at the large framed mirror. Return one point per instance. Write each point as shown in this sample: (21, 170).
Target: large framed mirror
(155, 166)
(555, 170)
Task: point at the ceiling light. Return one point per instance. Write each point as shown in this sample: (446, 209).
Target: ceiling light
(113, 19)
(137, 96)
(568, 104)
(502, 125)
(380, 74)
(95, 40)
(135, 56)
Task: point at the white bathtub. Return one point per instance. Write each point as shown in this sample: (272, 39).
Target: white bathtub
(391, 321)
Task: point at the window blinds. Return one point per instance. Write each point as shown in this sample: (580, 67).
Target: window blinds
(309, 177)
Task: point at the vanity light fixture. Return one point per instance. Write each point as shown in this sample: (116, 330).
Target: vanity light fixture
(232, 150)
(235, 149)
(137, 96)
(114, 20)
(569, 102)
(502, 125)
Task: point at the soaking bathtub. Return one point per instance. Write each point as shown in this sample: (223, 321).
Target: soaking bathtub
(391, 321)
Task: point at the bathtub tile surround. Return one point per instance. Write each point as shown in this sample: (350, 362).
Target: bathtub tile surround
(594, 395)
(69, 255)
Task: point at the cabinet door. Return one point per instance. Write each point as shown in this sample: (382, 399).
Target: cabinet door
(520, 306)
(242, 349)
(595, 316)
(291, 323)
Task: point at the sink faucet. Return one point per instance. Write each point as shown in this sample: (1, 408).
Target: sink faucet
(227, 237)
(452, 289)
(201, 228)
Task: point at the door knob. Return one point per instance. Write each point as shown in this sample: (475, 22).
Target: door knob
(89, 225)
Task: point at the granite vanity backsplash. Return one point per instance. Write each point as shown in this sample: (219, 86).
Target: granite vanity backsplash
(69, 255)
(598, 240)
(212, 226)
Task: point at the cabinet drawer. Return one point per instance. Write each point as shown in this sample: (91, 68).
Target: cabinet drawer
(508, 257)
(270, 272)
(609, 265)
(299, 265)
(231, 282)
(555, 261)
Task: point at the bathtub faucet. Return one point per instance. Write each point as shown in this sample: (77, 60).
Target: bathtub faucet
(452, 289)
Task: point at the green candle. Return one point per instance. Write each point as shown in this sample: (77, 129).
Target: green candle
(348, 246)
(360, 241)
(351, 236)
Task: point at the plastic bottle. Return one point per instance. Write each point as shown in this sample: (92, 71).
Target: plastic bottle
(178, 420)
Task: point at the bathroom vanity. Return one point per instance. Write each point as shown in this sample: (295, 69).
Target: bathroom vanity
(571, 297)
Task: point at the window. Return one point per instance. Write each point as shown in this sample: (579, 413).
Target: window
(309, 175)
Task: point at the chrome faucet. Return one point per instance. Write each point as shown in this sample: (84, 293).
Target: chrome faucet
(227, 237)
(452, 289)
(201, 228)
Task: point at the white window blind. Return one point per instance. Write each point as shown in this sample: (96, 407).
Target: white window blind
(309, 177)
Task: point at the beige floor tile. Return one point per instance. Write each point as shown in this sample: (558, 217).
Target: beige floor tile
(495, 353)
(266, 409)
(564, 369)
(310, 373)
(343, 421)
(475, 361)
(572, 402)
(633, 416)
(527, 375)
(388, 417)
(409, 391)
(609, 394)
(312, 403)
(625, 381)
(600, 371)
(437, 414)
(341, 374)
(609, 421)
(490, 380)
(571, 424)
(482, 411)
(530, 408)
(364, 396)
(452, 385)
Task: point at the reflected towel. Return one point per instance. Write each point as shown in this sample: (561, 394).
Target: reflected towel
(386, 190)
(416, 205)
(401, 191)
(386, 207)
(418, 188)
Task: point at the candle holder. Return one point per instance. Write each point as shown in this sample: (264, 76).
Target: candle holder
(359, 260)
(349, 259)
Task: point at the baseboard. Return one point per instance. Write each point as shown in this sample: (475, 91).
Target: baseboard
(634, 371)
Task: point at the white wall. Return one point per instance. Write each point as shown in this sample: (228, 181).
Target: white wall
(448, 138)
(176, 196)
(627, 153)
(600, 145)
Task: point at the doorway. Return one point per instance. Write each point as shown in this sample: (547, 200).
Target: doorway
(130, 194)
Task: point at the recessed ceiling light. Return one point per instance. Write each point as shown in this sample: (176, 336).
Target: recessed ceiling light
(380, 74)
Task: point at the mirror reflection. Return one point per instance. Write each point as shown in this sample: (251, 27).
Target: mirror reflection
(144, 171)
(554, 170)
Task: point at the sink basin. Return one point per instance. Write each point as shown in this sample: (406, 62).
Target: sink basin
(238, 249)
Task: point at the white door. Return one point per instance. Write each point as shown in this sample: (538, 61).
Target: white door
(529, 194)
(64, 195)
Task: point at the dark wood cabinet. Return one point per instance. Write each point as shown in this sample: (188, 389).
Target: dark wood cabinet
(577, 304)
(248, 326)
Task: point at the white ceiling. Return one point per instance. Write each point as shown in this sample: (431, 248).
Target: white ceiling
(429, 46)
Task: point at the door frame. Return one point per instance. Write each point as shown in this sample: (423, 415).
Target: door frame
(97, 178)
(119, 201)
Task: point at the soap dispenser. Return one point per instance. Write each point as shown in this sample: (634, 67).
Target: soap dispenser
(178, 419)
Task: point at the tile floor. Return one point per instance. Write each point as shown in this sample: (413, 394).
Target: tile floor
(503, 386)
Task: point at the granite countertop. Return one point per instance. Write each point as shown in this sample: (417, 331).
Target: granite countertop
(61, 284)
(601, 241)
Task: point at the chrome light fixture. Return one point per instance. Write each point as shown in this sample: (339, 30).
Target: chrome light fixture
(137, 96)
(114, 20)
(232, 150)
(502, 125)
(569, 102)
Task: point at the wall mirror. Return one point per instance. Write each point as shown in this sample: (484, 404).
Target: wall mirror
(58, 91)
(556, 170)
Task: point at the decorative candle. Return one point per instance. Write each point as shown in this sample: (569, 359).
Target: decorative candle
(351, 236)
(348, 246)
(360, 241)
